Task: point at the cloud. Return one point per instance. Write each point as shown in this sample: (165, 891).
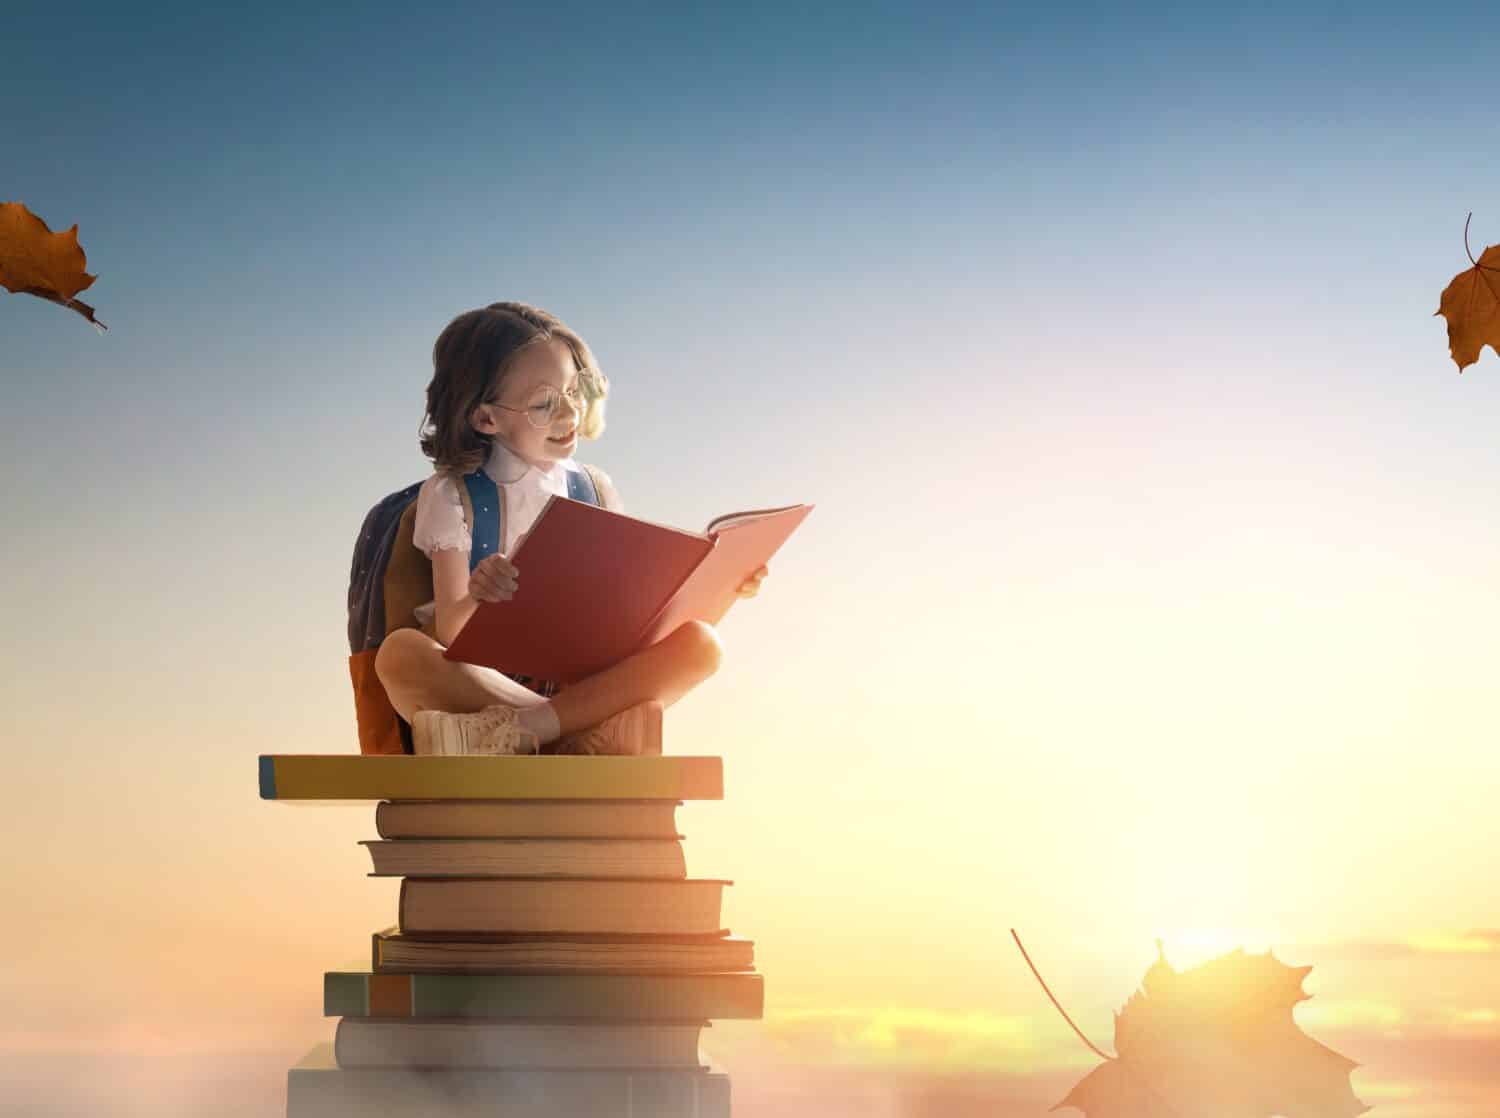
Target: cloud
(1414, 1059)
(1477, 941)
(1450, 1045)
(865, 1092)
(1322, 1013)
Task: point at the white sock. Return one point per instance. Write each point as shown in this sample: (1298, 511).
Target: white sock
(541, 720)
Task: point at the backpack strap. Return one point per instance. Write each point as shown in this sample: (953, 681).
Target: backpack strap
(484, 513)
(407, 581)
(484, 507)
(467, 503)
(583, 485)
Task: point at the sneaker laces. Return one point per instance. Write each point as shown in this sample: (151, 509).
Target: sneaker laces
(603, 738)
(496, 729)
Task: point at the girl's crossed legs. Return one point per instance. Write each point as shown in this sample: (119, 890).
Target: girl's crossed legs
(416, 676)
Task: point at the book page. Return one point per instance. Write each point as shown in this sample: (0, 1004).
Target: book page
(739, 550)
(729, 519)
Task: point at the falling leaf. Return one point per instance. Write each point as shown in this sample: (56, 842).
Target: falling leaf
(36, 261)
(1471, 304)
(1218, 1039)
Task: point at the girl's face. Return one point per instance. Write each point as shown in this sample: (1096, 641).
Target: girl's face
(511, 413)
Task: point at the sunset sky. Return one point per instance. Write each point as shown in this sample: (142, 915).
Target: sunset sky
(1152, 591)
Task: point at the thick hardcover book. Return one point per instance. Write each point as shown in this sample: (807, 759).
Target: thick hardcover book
(596, 585)
(560, 904)
(465, 1042)
(591, 997)
(527, 819)
(392, 952)
(318, 1088)
(527, 857)
(355, 776)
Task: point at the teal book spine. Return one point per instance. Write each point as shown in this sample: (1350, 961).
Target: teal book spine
(597, 997)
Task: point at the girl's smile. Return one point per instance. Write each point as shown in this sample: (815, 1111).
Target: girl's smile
(535, 369)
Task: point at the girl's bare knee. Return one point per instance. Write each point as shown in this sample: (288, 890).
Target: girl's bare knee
(399, 653)
(702, 647)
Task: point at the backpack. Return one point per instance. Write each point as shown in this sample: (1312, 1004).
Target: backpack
(390, 577)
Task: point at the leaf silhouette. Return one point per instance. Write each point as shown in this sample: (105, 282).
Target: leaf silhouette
(1218, 1040)
(1471, 304)
(36, 261)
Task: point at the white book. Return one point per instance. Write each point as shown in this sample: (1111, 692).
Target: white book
(318, 1088)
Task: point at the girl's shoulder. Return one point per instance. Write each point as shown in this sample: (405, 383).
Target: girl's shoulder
(442, 487)
(440, 519)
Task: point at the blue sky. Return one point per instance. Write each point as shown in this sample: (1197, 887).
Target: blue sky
(1100, 335)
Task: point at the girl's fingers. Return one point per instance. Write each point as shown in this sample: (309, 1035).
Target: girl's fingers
(491, 589)
(497, 566)
(752, 584)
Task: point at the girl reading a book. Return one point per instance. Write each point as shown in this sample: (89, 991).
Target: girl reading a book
(513, 390)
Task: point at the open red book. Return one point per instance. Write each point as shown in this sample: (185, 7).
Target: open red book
(596, 586)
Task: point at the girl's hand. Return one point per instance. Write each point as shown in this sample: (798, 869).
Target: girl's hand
(751, 586)
(493, 580)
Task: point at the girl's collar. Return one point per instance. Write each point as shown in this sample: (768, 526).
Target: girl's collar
(507, 467)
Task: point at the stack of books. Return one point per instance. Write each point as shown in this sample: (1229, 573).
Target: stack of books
(551, 956)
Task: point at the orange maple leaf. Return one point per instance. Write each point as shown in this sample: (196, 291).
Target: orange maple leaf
(36, 261)
(1217, 1039)
(1471, 304)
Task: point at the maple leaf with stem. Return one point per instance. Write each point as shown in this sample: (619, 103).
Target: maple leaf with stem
(1471, 304)
(36, 261)
(1217, 1040)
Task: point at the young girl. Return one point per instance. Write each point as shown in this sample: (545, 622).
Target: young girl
(512, 391)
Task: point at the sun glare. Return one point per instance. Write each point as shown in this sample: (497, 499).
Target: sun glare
(1187, 947)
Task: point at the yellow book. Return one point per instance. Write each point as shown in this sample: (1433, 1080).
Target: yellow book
(357, 776)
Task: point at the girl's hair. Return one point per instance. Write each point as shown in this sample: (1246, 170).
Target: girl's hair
(469, 362)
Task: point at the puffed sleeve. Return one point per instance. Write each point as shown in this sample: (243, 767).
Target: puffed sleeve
(607, 491)
(439, 524)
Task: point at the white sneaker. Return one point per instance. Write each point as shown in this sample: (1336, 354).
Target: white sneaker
(633, 732)
(492, 731)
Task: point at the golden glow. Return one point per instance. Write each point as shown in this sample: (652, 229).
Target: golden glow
(902, 1037)
(1483, 1016)
(1389, 1091)
(1188, 947)
(1470, 943)
(1220, 730)
(1324, 1013)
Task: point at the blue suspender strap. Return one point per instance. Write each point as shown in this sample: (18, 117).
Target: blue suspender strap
(484, 533)
(581, 487)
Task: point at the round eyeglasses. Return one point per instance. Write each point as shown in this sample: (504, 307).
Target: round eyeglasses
(543, 404)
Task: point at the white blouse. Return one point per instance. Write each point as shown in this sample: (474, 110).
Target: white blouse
(439, 524)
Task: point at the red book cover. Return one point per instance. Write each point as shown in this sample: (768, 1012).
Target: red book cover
(595, 586)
